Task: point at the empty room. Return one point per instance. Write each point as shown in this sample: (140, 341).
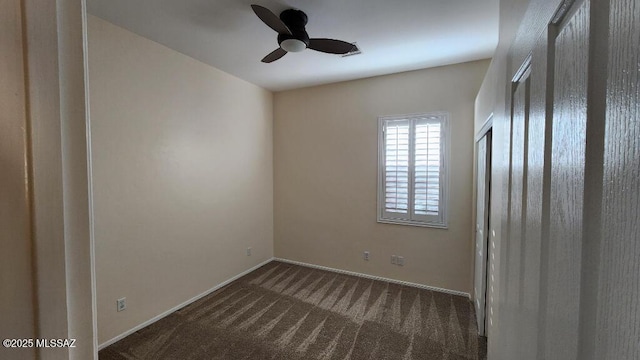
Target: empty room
(217, 179)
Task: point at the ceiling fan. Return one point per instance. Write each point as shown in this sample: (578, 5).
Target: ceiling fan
(292, 37)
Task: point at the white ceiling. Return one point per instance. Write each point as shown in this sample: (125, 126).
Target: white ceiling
(394, 36)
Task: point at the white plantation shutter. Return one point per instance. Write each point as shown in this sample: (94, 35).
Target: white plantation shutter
(413, 170)
(427, 171)
(396, 168)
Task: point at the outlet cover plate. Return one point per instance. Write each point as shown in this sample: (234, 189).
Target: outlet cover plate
(121, 304)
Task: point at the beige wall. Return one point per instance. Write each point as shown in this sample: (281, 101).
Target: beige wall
(325, 152)
(486, 99)
(182, 176)
(16, 278)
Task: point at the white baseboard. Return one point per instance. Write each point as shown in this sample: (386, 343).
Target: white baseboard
(373, 277)
(174, 309)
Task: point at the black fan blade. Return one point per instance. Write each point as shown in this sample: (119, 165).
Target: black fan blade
(271, 19)
(274, 55)
(331, 46)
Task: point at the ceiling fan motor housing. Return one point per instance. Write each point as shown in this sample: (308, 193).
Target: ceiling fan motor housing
(295, 21)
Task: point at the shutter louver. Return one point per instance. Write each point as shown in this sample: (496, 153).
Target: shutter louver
(396, 167)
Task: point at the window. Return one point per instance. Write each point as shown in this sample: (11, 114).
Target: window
(413, 167)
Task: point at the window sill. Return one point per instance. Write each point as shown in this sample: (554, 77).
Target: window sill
(413, 223)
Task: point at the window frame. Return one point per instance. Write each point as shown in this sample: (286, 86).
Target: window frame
(442, 221)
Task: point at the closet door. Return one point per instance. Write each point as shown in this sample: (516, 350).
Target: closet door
(516, 242)
(617, 333)
(571, 67)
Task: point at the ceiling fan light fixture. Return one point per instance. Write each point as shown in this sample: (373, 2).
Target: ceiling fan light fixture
(292, 36)
(293, 45)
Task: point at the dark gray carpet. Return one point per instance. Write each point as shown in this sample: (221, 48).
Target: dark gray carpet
(284, 311)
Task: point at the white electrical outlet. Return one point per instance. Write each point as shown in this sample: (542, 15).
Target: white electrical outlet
(365, 256)
(121, 304)
(394, 259)
(400, 260)
(248, 251)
